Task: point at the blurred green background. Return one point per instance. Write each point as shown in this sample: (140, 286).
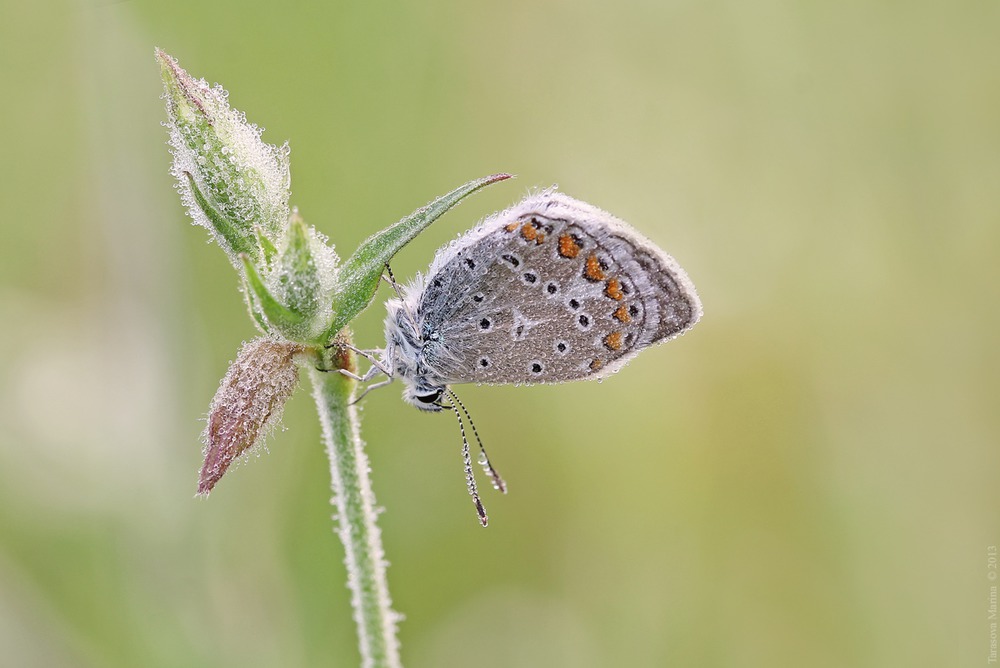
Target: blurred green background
(808, 478)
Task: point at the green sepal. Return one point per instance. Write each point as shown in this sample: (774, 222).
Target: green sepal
(298, 279)
(228, 231)
(267, 247)
(360, 274)
(277, 314)
(253, 306)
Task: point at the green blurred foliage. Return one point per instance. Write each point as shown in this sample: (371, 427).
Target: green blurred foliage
(807, 478)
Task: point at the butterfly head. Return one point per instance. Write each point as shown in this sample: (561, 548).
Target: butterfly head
(422, 388)
(424, 398)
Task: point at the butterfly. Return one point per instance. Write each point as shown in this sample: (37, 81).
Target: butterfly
(550, 290)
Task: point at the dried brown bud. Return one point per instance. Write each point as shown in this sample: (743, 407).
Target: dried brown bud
(248, 404)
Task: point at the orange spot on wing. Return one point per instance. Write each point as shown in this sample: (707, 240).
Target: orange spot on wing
(596, 364)
(568, 247)
(529, 232)
(540, 238)
(593, 269)
(511, 227)
(614, 289)
(622, 314)
(613, 341)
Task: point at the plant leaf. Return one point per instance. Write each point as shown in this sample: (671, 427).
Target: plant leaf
(297, 278)
(236, 241)
(360, 274)
(278, 315)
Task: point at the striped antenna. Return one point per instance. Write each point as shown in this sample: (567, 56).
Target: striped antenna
(484, 460)
(470, 479)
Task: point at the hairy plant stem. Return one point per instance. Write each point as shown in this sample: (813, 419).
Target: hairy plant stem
(355, 516)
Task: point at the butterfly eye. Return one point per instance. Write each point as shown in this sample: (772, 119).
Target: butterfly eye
(429, 398)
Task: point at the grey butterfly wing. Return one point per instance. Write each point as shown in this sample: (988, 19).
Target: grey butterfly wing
(551, 290)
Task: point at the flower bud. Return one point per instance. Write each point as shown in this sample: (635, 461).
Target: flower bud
(248, 404)
(231, 182)
(292, 297)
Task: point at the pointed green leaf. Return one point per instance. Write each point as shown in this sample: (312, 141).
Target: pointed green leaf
(267, 247)
(278, 315)
(360, 274)
(298, 279)
(232, 235)
(253, 305)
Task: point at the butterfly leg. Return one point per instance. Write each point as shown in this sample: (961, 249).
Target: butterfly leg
(373, 386)
(378, 366)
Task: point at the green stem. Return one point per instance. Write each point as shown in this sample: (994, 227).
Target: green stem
(355, 504)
